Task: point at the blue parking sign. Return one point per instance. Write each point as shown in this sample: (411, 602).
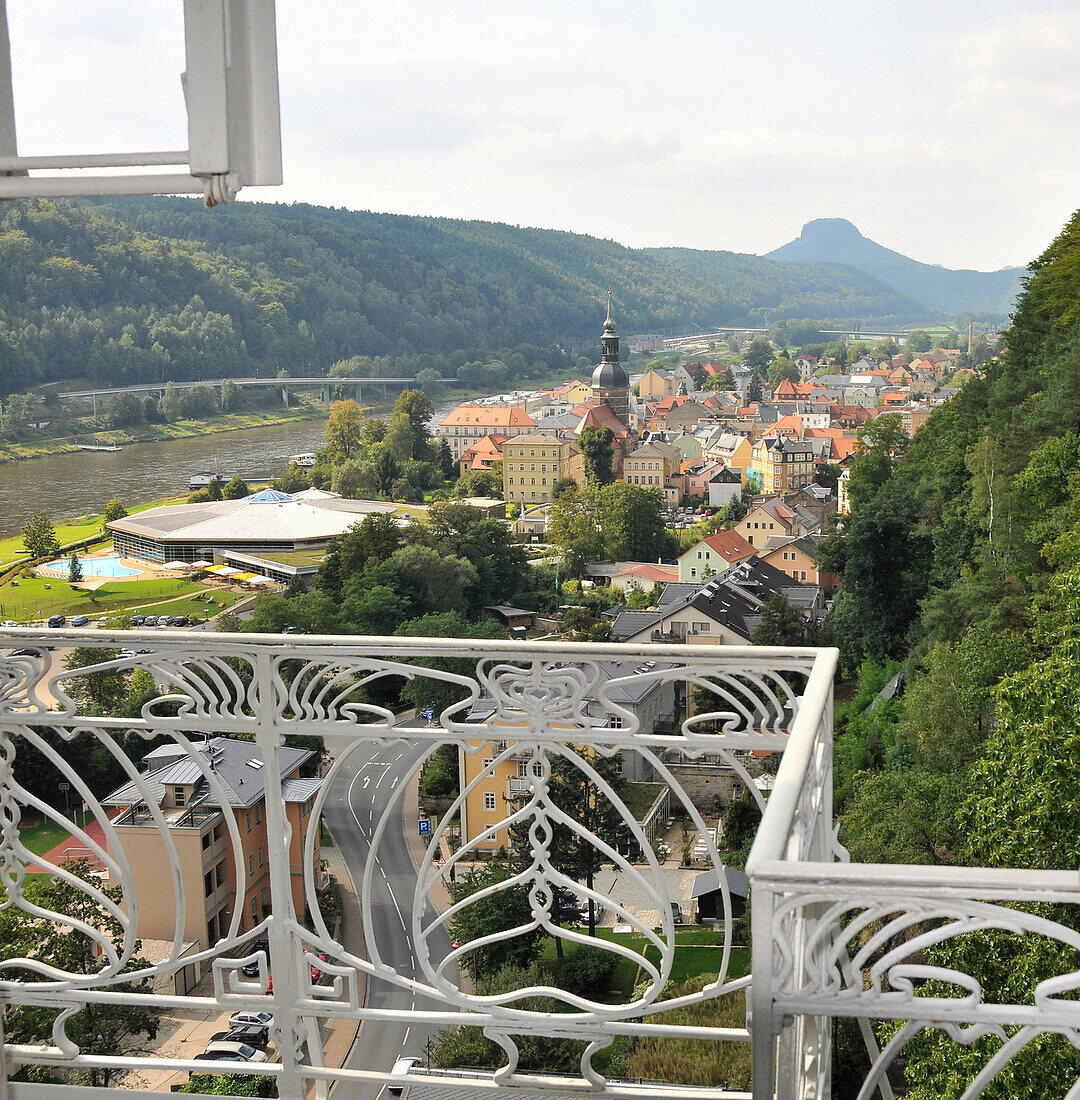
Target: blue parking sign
(424, 826)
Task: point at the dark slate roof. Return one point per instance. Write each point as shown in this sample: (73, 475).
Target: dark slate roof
(628, 622)
(238, 765)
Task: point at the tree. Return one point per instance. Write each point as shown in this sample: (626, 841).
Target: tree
(75, 569)
(754, 389)
(573, 526)
(780, 623)
(236, 489)
(507, 908)
(231, 1084)
(39, 537)
(114, 510)
(100, 691)
(170, 404)
(344, 430)
(632, 523)
(758, 353)
(417, 407)
(596, 444)
(781, 370)
(478, 483)
(99, 1029)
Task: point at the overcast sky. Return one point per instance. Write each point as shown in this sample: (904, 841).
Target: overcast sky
(947, 131)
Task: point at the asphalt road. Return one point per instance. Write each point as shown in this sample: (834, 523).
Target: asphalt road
(358, 800)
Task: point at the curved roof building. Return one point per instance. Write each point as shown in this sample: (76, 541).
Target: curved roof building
(265, 522)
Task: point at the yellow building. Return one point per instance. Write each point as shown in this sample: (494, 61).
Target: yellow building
(734, 451)
(655, 465)
(532, 464)
(780, 466)
(503, 774)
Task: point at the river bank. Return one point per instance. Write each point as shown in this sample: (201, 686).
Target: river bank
(161, 433)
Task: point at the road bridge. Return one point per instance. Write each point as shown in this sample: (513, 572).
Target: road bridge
(326, 385)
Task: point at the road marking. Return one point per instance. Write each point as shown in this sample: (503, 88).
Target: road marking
(405, 1038)
(395, 783)
(352, 809)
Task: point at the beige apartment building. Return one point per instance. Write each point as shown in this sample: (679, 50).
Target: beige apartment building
(463, 426)
(532, 464)
(196, 817)
(656, 465)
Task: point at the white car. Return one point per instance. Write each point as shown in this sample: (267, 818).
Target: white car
(401, 1069)
(234, 1050)
(251, 1019)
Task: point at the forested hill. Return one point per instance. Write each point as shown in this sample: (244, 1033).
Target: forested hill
(961, 558)
(151, 289)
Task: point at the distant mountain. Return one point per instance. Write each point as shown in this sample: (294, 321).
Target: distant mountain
(944, 291)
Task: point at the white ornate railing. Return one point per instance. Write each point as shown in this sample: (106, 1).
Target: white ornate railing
(830, 939)
(838, 939)
(271, 688)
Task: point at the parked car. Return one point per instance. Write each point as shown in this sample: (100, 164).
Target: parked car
(316, 973)
(27, 653)
(138, 620)
(248, 1053)
(80, 620)
(401, 1069)
(244, 1018)
(218, 1056)
(150, 620)
(251, 969)
(676, 913)
(9, 623)
(250, 1036)
(57, 620)
(164, 620)
(179, 620)
(126, 653)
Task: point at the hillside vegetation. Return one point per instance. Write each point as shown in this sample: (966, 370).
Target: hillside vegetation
(961, 558)
(156, 289)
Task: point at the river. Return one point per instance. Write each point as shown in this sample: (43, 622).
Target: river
(81, 483)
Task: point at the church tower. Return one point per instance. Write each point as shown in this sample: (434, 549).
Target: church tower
(610, 382)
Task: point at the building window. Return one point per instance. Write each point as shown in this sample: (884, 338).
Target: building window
(254, 909)
(488, 762)
(178, 796)
(206, 841)
(258, 814)
(693, 572)
(247, 819)
(538, 770)
(219, 873)
(251, 864)
(264, 898)
(211, 932)
(523, 770)
(208, 883)
(262, 858)
(489, 802)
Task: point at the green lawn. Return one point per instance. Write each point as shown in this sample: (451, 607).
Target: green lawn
(42, 837)
(30, 599)
(11, 550)
(698, 950)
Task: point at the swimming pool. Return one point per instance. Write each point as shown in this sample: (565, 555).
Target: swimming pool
(94, 567)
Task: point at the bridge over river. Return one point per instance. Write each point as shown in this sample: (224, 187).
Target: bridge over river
(286, 385)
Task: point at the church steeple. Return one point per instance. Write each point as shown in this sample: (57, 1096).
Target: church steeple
(610, 382)
(609, 341)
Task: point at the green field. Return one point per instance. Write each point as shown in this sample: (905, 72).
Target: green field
(33, 598)
(698, 950)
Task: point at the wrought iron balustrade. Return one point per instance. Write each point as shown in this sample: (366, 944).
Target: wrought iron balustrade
(830, 939)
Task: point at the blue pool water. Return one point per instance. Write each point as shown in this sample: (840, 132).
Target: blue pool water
(95, 567)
